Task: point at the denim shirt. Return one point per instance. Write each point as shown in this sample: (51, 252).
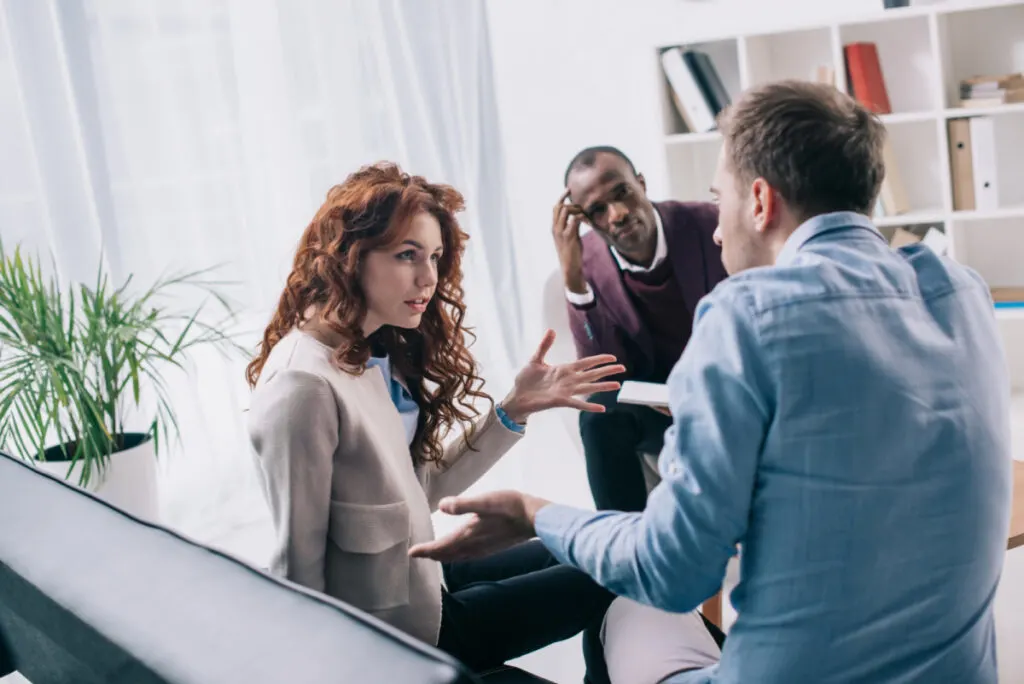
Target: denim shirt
(843, 419)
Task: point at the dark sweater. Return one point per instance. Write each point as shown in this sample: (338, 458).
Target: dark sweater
(612, 324)
(659, 303)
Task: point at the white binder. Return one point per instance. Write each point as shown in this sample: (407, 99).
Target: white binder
(983, 161)
(688, 94)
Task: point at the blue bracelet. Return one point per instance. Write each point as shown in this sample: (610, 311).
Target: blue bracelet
(508, 422)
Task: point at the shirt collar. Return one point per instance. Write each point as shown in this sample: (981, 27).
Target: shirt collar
(660, 250)
(382, 362)
(391, 377)
(819, 225)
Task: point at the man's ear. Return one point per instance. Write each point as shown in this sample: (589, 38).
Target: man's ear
(642, 181)
(764, 204)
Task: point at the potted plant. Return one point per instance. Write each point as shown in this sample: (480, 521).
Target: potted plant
(82, 390)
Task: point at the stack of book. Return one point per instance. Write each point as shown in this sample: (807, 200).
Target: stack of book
(697, 89)
(992, 91)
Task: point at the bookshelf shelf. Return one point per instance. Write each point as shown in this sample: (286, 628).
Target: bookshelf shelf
(1016, 212)
(967, 112)
(995, 249)
(907, 117)
(977, 41)
(912, 218)
(924, 53)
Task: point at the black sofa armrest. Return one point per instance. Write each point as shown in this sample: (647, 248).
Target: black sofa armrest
(89, 594)
(6, 660)
(512, 675)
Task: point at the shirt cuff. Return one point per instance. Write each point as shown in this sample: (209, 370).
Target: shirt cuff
(580, 299)
(508, 422)
(556, 526)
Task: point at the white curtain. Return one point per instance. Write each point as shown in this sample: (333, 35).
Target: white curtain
(168, 135)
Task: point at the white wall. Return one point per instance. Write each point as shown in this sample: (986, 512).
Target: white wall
(573, 73)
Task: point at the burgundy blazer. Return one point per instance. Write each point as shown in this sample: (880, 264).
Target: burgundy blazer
(610, 324)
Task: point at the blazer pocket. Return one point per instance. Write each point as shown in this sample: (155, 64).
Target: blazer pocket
(371, 570)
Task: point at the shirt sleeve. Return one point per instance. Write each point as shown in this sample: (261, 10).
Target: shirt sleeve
(674, 554)
(577, 299)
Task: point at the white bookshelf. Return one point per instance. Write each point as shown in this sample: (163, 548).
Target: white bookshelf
(924, 53)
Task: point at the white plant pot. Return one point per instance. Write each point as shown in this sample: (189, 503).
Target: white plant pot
(128, 480)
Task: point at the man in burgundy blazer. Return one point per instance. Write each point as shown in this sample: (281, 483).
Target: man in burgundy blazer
(632, 284)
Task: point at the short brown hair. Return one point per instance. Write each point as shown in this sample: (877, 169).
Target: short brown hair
(818, 148)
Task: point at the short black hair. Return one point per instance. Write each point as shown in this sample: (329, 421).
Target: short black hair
(585, 158)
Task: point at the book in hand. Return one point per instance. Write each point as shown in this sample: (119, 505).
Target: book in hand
(644, 393)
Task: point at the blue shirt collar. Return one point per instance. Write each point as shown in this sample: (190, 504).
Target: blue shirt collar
(382, 362)
(408, 409)
(820, 224)
(396, 386)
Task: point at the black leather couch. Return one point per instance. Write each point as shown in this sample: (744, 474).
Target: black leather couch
(91, 595)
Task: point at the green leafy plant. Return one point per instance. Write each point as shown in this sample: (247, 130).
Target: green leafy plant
(73, 364)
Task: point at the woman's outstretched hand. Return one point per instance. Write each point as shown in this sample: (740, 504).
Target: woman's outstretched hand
(540, 386)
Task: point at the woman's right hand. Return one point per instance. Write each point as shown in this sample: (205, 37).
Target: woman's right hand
(540, 386)
(565, 229)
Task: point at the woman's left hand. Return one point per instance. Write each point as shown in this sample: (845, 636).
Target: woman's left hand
(540, 386)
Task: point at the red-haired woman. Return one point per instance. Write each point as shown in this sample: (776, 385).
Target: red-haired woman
(362, 371)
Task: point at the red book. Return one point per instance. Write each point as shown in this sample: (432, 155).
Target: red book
(865, 76)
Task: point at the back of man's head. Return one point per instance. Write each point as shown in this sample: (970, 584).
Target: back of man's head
(818, 148)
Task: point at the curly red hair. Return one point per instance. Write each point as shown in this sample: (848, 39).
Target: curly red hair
(371, 210)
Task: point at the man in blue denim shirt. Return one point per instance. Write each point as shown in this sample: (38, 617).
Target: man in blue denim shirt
(841, 414)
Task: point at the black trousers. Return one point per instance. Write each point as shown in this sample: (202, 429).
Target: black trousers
(518, 601)
(611, 444)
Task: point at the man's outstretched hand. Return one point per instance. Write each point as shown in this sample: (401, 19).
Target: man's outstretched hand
(499, 520)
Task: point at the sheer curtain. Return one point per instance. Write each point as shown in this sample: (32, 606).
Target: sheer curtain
(180, 134)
